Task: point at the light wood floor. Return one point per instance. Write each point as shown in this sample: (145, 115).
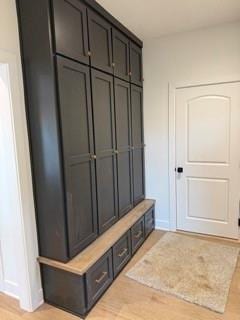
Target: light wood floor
(129, 300)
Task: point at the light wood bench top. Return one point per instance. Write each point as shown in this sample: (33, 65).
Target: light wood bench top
(84, 260)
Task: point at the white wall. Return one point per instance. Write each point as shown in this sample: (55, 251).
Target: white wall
(20, 271)
(210, 55)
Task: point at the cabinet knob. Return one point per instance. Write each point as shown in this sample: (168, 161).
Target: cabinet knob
(113, 64)
(116, 152)
(129, 73)
(89, 53)
(93, 157)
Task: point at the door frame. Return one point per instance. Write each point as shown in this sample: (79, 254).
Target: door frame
(172, 88)
(30, 292)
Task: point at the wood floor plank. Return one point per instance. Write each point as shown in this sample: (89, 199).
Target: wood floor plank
(128, 300)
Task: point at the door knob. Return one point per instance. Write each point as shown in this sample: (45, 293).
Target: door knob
(179, 170)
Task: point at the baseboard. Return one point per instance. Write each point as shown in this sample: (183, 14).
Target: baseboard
(11, 289)
(162, 225)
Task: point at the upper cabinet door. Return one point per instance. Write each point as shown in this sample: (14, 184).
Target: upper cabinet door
(103, 111)
(100, 42)
(70, 26)
(123, 139)
(120, 55)
(136, 64)
(77, 140)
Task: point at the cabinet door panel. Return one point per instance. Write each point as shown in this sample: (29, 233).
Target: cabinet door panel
(137, 116)
(77, 140)
(123, 139)
(137, 143)
(106, 183)
(70, 26)
(136, 64)
(124, 182)
(120, 55)
(138, 175)
(100, 42)
(103, 110)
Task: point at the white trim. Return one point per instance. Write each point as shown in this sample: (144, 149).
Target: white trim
(11, 289)
(6, 286)
(162, 225)
(172, 87)
(26, 248)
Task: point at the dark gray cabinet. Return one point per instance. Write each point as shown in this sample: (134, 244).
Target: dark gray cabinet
(84, 120)
(70, 29)
(121, 253)
(82, 81)
(100, 42)
(137, 235)
(120, 55)
(138, 175)
(123, 141)
(77, 140)
(104, 126)
(137, 144)
(78, 291)
(136, 64)
(149, 221)
(98, 278)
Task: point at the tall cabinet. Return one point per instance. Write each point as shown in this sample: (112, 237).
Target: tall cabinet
(83, 90)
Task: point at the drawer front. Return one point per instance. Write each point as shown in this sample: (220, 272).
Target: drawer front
(149, 222)
(137, 235)
(121, 253)
(98, 278)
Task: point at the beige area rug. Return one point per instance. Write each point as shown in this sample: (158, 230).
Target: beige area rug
(195, 270)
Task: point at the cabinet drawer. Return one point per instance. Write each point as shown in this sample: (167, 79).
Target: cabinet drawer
(149, 222)
(98, 278)
(121, 253)
(137, 234)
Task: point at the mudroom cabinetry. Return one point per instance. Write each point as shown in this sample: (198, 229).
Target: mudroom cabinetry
(84, 108)
(84, 102)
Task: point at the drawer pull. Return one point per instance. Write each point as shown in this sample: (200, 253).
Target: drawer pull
(138, 235)
(99, 280)
(124, 251)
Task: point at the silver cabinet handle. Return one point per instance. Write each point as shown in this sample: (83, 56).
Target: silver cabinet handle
(138, 235)
(99, 280)
(122, 253)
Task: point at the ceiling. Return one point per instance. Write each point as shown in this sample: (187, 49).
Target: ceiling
(154, 18)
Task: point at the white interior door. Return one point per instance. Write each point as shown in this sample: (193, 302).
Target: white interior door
(208, 151)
